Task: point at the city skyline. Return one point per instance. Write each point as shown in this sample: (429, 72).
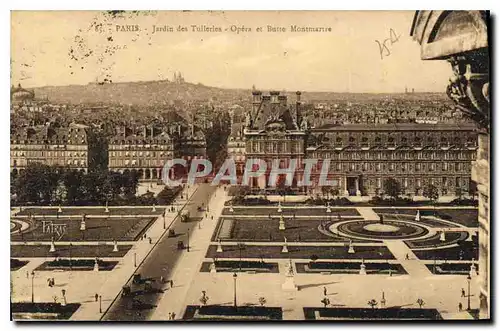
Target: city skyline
(350, 58)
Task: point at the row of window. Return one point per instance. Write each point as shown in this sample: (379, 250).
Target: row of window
(140, 153)
(83, 163)
(47, 154)
(390, 139)
(399, 166)
(398, 155)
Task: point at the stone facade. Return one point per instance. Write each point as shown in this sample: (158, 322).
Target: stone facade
(65, 147)
(146, 149)
(361, 156)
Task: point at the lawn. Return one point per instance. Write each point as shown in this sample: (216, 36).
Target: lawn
(16, 264)
(230, 313)
(350, 268)
(301, 252)
(91, 211)
(298, 230)
(53, 311)
(463, 251)
(373, 314)
(97, 229)
(76, 265)
(288, 211)
(451, 268)
(234, 266)
(28, 251)
(451, 237)
(466, 217)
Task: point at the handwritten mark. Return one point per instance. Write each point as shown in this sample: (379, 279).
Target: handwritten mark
(384, 46)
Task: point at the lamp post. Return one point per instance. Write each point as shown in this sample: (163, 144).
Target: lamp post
(234, 278)
(188, 240)
(70, 266)
(135, 260)
(468, 294)
(240, 247)
(33, 286)
(100, 304)
(435, 248)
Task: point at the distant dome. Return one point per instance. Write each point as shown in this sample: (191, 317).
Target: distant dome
(20, 94)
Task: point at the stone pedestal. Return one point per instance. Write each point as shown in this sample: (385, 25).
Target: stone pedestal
(154, 209)
(213, 269)
(282, 224)
(279, 207)
(442, 236)
(469, 237)
(417, 217)
(59, 210)
(83, 226)
(52, 247)
(362, 269)
(358, 193)
(473, 270)
(284, 249)
(351, 249)
(106, 210)
(231, 209)
(115, 247)
(96, 265)
(219, 248)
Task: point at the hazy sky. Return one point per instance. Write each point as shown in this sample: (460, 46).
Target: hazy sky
(49, 48)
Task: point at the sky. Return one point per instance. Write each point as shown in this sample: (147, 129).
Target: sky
(78, 47)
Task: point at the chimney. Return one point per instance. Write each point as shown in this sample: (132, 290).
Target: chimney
(274, 96)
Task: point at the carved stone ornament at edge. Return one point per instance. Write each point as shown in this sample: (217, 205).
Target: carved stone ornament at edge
(469, 87)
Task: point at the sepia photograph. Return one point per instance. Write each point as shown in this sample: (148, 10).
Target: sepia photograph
(250, 166)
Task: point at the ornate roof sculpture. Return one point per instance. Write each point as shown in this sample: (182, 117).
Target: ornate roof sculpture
(461, 37)
(272, 111)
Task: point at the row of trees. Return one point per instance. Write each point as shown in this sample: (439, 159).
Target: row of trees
(44, 184)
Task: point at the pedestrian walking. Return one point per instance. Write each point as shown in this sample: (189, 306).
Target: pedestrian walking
(162, 280)
(96, 296)
(173, 316)
(150, 241)
(171, 283)
(324, 291)
(169, 316)
(463, 293)
(460, 307)
(53, 282)
(407, 257)
(27, 274)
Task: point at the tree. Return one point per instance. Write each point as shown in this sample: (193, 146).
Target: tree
(420, 302)
(262, 301)
(431, 192)
(373, 303)
(335, 191)
(325, 190)
(392, 187)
